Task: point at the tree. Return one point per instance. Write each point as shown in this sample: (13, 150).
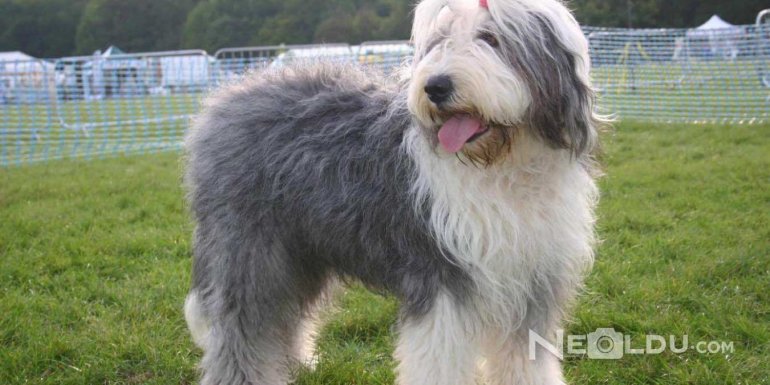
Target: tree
(43, 28)
(336, 28)
(664, 13)
(369, 20)
(50, 28)
(137, 25)
(215, 24)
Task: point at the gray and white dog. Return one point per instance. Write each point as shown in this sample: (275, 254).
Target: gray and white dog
(466, 190)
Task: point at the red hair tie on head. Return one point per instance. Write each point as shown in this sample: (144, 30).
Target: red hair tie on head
(483, 4)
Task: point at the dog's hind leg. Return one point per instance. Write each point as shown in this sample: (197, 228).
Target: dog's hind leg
(304, 349)
(197, 321)
(252, 298)
(437, 348)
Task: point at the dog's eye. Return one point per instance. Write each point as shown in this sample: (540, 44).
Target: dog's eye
(489, 38)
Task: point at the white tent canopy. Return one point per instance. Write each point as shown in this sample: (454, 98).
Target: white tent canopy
(721, 37)
(14, 56)
(17, 61)
(715, 22)
(24, 78)
(714, 26)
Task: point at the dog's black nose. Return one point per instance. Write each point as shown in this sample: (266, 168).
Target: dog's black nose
(439, 88)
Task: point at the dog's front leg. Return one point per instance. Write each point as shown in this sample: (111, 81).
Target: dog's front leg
(437, 348)
(508, 361)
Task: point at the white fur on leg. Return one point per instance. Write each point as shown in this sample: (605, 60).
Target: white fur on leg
(507, 362)
(305, 345)
(197, 322)
(437, 348)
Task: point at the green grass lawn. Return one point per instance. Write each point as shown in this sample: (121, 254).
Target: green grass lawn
(95, 260)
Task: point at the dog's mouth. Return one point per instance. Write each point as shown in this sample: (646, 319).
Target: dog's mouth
(460, 129)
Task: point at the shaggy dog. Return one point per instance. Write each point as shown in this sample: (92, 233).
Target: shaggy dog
(465, 190)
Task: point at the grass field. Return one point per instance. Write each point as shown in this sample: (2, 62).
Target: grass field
(95, 260)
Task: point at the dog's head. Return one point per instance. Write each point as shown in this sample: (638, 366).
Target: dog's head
(485, 69)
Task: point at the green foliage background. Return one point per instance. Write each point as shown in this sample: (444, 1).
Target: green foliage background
(50, 28)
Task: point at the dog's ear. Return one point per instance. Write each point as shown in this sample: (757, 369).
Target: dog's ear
(554, 64)
(424, 25)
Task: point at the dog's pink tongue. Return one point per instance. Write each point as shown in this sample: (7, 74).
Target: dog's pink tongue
(456, 131)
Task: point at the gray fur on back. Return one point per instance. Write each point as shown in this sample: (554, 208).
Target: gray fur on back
(295, 176)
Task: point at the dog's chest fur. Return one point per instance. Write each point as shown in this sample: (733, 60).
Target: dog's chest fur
(521, 227)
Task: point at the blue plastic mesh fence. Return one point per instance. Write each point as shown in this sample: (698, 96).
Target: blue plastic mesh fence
(106, 104)
(680, 75)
